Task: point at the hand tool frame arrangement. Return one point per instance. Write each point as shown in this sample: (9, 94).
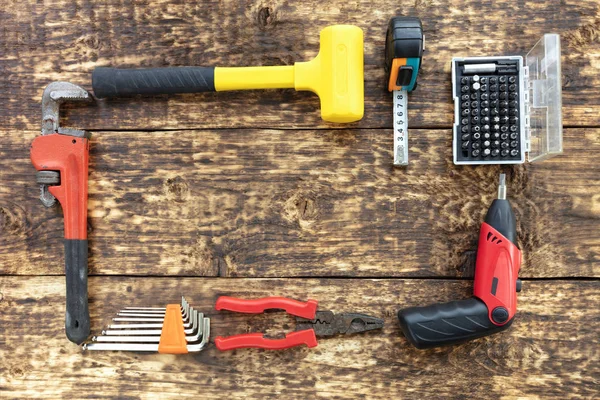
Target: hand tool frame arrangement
(502, 88)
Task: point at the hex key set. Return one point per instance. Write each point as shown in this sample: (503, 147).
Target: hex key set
(507, 111)
(175, 329)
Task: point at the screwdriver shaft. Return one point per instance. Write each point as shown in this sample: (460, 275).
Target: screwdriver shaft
(502, 187)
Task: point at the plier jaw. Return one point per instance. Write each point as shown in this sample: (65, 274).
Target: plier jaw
(326, 323)
(310, 323)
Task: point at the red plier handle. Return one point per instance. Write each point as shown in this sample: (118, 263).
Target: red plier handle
(306, 310)
(297, 308)
(258, 341)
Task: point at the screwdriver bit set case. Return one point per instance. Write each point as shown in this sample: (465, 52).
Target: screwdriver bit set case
(508, 109)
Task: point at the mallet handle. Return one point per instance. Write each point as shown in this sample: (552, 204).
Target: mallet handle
(116, 82)
(245, 78)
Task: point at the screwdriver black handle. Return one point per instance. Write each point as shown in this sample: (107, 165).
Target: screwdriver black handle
(77, 322)
(116, 82)
(447, 323)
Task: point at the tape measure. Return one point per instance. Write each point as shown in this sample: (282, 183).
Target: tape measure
(404, 45)
(400, 127)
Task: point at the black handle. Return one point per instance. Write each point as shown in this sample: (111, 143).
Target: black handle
(77, 322)
(501, 217)
(447, 323)
(115, 82)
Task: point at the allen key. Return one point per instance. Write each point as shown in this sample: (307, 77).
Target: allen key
(184, 303)
(143, 326)
(152, 337)
(143, 317)
(133, 330)
(147, 314)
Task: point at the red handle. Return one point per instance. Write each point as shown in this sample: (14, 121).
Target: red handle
(496, 271)
(69, 155)
(258, 341)
(306, 310)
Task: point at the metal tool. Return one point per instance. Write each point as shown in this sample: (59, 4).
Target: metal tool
(496, 284)
(153, 347)
(310, 323)
(153, 335)
(170, 336)
(60, 155)
(155, 313)
(336, 75)
(404, 46)
(151, 318)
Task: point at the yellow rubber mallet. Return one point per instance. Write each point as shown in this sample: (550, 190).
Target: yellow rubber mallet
(336, 75)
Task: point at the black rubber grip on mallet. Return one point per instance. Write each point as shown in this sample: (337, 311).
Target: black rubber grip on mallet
(116, 82)
(77, 323)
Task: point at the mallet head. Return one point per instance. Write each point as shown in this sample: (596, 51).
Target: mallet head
(336, 74)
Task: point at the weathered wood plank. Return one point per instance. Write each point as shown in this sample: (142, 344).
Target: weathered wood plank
(308, 203)
(551, 351)
(67, 40)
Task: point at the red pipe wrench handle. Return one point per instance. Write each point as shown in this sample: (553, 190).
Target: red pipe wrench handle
(297, 308)
(257, 340)
(69, 156)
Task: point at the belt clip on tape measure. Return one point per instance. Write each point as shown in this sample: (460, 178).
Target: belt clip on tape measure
(404, 46)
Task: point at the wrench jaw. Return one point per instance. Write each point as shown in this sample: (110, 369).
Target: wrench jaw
(47, 199)
(54, 95)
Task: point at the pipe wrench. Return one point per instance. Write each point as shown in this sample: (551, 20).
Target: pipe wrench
(60, 155)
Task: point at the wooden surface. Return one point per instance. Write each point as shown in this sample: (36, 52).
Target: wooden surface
(551, 350)
(251, 194)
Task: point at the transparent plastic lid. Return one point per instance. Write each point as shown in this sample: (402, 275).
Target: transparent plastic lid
(545, 98)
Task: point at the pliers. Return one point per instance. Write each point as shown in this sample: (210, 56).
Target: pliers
(310, 323)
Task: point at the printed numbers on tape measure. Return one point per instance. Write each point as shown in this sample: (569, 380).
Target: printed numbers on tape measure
(400, 128)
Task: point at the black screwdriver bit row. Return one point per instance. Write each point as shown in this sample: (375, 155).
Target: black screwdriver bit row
(489, 117)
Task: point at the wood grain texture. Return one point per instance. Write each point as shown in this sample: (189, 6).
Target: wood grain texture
(260, 203)
(549, 352)
(255, 189)
(67, 40)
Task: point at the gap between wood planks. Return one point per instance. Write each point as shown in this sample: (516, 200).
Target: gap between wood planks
(332, 277)
(333, 128)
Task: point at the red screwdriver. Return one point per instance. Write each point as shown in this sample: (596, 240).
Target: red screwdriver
(493, 306)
